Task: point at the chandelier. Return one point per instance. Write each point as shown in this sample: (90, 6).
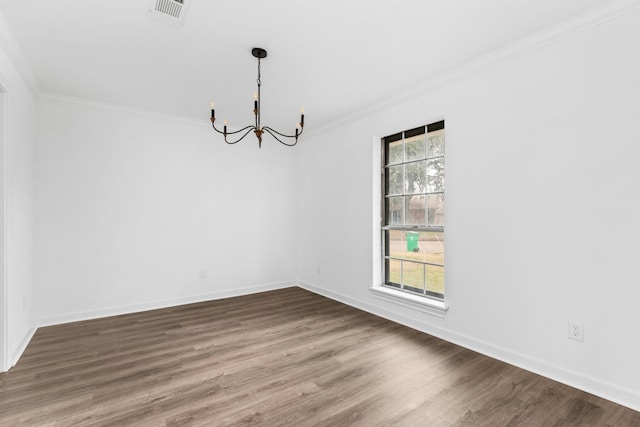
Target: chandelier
(257, 128)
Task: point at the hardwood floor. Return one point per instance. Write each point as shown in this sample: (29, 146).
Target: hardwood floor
(281, 358)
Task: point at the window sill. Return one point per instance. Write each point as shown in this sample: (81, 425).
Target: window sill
(405, 299)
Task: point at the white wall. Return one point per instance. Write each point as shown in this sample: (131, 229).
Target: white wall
(541, 216)
(131, 207)
(19, 208)
(3, 249)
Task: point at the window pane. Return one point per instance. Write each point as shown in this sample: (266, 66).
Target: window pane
(393, 271)
(435, 175)
(435, 279)
(425, 246)
(413, 275)
(415, 176)
(436, 143)
(395, 180)
(395, 210)
(431, 245)
(395, 152)
(395, 243)
(415, 148)
(436, 210)
(403, 244)
(416, 213)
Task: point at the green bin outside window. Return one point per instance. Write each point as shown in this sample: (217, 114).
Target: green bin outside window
(412, 241)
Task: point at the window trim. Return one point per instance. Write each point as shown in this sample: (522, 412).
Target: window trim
(417, 302)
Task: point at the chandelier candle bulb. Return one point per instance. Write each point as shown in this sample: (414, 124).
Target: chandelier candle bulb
(302, 116)
(213, 111)
(225, 126)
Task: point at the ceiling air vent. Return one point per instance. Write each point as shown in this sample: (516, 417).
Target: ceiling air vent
(170, 12)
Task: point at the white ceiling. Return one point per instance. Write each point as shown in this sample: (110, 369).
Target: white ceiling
(333, 56)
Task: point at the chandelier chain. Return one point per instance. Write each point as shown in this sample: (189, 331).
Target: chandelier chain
(259, 82)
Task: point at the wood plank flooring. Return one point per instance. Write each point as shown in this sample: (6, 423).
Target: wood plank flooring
(281, 358)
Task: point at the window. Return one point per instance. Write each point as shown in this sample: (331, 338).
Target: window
(413, 211)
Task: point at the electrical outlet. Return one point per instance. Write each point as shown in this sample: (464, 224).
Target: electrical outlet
(576, 331)
(203, 274)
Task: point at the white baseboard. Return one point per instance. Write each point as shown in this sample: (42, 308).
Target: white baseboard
(22, 347)
(595, 386)
(153, 305)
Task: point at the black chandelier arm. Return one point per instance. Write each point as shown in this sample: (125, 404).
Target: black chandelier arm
(270, 130)
(246, 128)
(273, 133)
(251, 127)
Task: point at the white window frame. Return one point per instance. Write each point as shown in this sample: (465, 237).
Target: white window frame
(425, 303)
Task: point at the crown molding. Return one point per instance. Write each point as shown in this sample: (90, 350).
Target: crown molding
(495, 58)
(51, 96)
(9, 44)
